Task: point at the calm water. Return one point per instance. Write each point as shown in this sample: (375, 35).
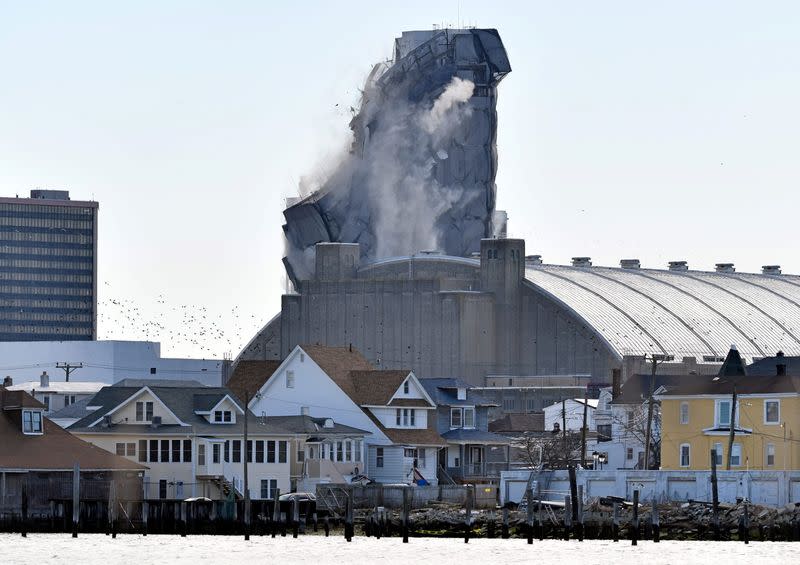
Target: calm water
(93, 549)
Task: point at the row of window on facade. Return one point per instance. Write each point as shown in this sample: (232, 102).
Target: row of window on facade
(52, 221)
(462, 417)
(722, 412)
(342, 451)
(736, 454)
(9, 274)
(34, 292)
(49, 210)
(48, 265)
(227, 451)
(42, 330)
(53, 237)
(28, 316)
(73, 305)
(20, 250)
(268, 490)
(49, 401)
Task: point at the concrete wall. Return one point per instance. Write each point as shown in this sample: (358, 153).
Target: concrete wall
(103, 361)
(773, 488)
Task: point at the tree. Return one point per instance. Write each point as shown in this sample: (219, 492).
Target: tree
(552, 450)
(633, 425)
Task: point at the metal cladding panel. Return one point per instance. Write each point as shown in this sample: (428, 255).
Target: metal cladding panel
(679, 313)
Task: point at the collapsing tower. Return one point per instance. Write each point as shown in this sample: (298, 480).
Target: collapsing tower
(421, 170)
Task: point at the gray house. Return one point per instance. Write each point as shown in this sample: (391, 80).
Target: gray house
(473, 453)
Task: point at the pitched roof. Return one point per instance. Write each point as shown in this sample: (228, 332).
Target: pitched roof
(533, 422)
(338, 362)
(769, 365)
(72, 387)
(316, 426)
(182, 401)
(776, 384)
(376, 388)
(444, 391)
(55, 449)
(463, 435)
(637, 388)
(76, 410)
(733, 366)
(250, 376)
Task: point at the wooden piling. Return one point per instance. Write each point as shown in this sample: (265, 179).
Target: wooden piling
(76, 498)
(24, 525)
(145, 515)
(183, 519)
(295, 517)
(326, 525)
(529, 516)
(615, 522)
(276, 512)
(314, 520)
(406, 510)
(540, 518)
(635, 520)
(505, 534)
(468, 516)
(567, 516)
(579, 505)
(714, 495)
(655, 522)
(112, 503)
(348, 518)
(746, 523)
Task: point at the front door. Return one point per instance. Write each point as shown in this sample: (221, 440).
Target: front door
(476, 459)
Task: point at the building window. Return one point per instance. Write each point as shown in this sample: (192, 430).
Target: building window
(201, 454)
(162, 488)
(469, 417)
(604, 432)
(237, 451)
(379, 457)
(684, 412)
(629, 453)
(301, 454)
(269, 487)
(772, 411)
(176, 451)
(165, 451)
(531, 403)
(283, 447)
(222, 416)
(405, 387)
(130, 449)
(187, 451)
(120, 449)
(685, 451)
(413, 413)
(724, 413)
(143, 451)
(69, 399)
(410, 453)
(153, 451)
(348, 451)
(718, 454)
(770, 454)
(357, 450)
(339, 451)
(144, 411)
(289, 379)
(215, 449)
(31, 422)
(270, 452)
(509, 404)
(398, 412)
(736, 455)
(46, 402)
(226, 454)
(455, 418)
(260, 451)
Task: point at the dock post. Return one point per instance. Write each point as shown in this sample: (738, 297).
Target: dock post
(615, 522)
(504, 534)
(468, 516)
(579, 505)
(76, 498)
(529, 516)
(348, 518)
(714, 496)
(295, 517)
(406, 505)
(655, 522)
(276, 512)
(25, 508)
(567, 516)
(145, 515)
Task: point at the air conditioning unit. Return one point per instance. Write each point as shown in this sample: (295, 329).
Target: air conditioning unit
(107, 421)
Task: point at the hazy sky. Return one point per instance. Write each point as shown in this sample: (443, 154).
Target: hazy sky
(626, 130)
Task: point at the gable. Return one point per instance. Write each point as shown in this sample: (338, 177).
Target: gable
(126, 411)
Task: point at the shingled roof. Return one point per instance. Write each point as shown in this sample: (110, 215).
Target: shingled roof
(250, 376)
(55, 449)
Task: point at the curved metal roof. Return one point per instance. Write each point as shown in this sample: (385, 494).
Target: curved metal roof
(680, 313)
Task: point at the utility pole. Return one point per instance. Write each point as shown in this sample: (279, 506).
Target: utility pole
(732, 428)
(583, 429)
(655, 358)
(564, 429)
(69, 367)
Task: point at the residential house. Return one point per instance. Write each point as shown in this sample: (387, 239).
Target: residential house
(473, 454)
(697, 418)
(191, 439)
(529, 394)
(40, 456)
(339, 383)
(567, 416)
(55, 395)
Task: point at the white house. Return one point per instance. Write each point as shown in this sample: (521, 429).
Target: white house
(56, 395)
(573, 409)
(339, 383)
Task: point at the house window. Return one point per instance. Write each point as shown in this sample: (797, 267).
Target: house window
(120, 449)
(410, 453)
(455, 418)
(201, 454)
(604, 432)
(260, 451)
(629, 453)
(162, 488)
(684, 412)
(222, 416)
(685, 451)
(724, 413)
(348, 451)
(357, 451)
(405, 416)
(283, 447)
(397, 414)
(130, 449)
(772, 411)
(144, 411)
(179, 489)
(413, 412)
(270, 452)
(153, 451)
(301, 454)
(421, 457)
(215, 449)
(165, 451)
(509, 404)
(176, 451)
(187, 451)
(69, 399)
(289, 379)
(268, 487)
(405, 387)
(46, 402)
(249, 451)
(718, 453)
(226, 455)
(736, 455)
(237, 451)
(143, 451)
(339, 451)
(379, 457)
(469, 417)
(770, 454)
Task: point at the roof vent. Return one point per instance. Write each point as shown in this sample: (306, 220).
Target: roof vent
(581, 261)
(533, 259)
(630, 264)
(678, 266)
(771, 270)
(328, 423)
(725, 268)
(44, 380)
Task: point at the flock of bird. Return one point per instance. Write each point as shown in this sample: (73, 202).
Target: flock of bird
(190, 330)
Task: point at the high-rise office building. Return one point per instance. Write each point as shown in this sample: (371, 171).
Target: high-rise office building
(48, 268)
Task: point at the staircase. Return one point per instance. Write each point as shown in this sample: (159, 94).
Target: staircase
(539, 482)
(332, 498)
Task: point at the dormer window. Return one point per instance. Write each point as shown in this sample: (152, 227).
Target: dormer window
(31, 422)
(144, 411)
(405, 387)
(222, 416)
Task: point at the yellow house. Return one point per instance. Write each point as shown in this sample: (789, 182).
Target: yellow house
(696, 419)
